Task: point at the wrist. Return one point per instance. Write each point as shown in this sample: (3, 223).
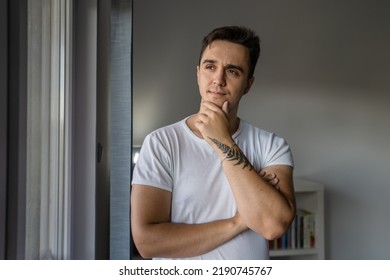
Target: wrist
(237, 224)
(230, 152)
(224, 148)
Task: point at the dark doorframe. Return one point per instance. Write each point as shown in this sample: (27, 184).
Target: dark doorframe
(16, 145)
(3, 122)
(121, 128)
(114, 129)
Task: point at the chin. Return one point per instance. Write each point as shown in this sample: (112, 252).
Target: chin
(217, 101)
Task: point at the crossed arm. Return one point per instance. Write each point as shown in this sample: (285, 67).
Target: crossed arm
(263, 208)
(265, 203)
(156, 236)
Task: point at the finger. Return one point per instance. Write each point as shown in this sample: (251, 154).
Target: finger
(206, 110)
(269, 176)
(210, 112)
(210, 105)
(274, 182)
(225, 107)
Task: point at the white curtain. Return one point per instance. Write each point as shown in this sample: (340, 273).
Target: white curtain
(48, 180)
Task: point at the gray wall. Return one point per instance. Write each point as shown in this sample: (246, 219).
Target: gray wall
(322, 83)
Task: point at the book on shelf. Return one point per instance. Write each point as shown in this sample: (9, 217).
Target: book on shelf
(299, 235)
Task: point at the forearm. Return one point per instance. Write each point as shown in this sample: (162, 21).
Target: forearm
(185, 240)
(263, 208)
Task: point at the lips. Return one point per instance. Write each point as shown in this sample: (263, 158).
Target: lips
(216, 93)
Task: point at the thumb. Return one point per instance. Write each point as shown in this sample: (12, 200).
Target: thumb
(225, 108)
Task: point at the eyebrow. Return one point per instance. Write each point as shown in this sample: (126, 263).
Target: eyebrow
(229, 66)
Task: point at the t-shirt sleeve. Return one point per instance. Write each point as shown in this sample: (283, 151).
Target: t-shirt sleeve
(153, 167)
(277, 152)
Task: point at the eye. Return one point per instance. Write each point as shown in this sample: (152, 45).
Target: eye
(209, 66)
(233, 72)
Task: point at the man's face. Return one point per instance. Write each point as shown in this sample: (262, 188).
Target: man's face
(223, 73)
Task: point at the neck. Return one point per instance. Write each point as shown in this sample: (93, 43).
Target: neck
(234, 123)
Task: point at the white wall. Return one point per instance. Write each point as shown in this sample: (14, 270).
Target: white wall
(323, 83)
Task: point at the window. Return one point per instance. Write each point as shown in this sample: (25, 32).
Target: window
(48, 186)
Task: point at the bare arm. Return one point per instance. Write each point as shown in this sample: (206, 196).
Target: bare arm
(156, 236)
(263, 208)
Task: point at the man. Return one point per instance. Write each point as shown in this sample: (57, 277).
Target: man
(197, 191)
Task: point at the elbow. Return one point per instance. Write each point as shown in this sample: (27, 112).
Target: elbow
(272, 231)
(273, 228)
(142, 244)
(143, 249)
(144, 253)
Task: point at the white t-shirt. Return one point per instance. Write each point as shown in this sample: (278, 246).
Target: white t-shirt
(174, 159)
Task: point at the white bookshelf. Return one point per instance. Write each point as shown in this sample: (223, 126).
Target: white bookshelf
(309, 196)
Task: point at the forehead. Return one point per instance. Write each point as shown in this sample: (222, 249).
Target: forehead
(226, 52)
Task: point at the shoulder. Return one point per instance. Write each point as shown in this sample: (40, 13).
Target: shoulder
(166, 133)
(249, 129)
(270, 147)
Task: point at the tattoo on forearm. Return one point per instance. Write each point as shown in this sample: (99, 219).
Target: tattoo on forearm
(233, 154)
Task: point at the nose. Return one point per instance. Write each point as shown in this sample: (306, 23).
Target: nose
(219, 78)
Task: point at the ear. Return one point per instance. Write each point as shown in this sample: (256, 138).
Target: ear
(250, 83)
(197, 74)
